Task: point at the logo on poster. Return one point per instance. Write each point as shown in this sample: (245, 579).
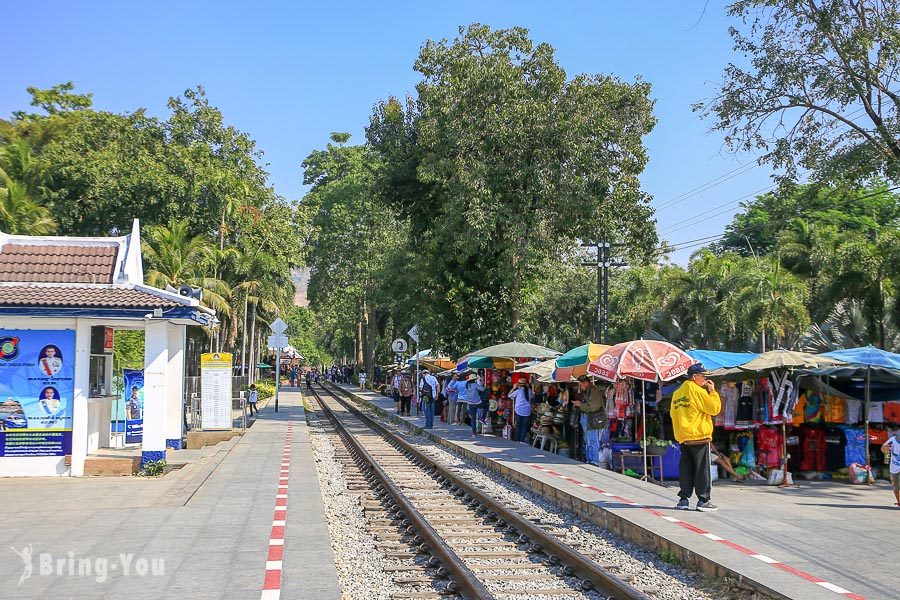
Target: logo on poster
(9, 348)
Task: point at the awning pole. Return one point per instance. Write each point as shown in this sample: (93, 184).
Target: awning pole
(868, 398)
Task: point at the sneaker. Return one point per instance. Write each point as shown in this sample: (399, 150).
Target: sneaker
(707, 507)
(683, 504)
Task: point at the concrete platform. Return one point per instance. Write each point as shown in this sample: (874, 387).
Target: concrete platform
(210, 524)
(815, 541)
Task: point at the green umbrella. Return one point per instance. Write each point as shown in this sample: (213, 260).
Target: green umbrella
(515, 350)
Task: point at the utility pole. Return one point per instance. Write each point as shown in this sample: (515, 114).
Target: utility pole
(603, 263)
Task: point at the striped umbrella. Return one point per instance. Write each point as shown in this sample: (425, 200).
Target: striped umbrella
(574, 363)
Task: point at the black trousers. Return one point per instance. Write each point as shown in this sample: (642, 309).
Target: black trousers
(404, 404)
(693, 472)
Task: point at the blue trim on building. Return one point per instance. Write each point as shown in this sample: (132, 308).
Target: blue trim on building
(152, 456)
(176, 444)
(181, 312)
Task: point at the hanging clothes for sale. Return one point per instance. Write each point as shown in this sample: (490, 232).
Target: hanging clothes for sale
(745, 407)
(813, 441)
(799, 414)
(768, 447)
(876, 412)
(853, 414)
(610, 402)
(856, 446)
(813, 408)
(624, 399)
(794, 448)
(835, 448)
(835, 410)
(730, 393)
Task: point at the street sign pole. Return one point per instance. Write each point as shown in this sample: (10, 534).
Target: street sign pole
(278, 328)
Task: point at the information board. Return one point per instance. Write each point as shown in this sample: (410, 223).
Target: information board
(215, 391)
(37, 389)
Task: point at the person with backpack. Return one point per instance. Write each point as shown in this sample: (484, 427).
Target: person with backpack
(428, 392)
(406, 392)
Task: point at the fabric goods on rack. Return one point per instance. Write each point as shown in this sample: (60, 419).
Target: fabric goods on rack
(853, 414)
(856, 446)
(768, 447)
(813, 441)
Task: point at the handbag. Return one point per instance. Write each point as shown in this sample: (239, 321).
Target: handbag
(596, 420)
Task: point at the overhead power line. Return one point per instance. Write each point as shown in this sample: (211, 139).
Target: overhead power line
(702, 241)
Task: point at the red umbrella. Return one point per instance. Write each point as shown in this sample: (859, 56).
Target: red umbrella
(647, 360)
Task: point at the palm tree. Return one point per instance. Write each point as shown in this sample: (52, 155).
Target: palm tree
(19, 214)
(176, 257)
(770, 299)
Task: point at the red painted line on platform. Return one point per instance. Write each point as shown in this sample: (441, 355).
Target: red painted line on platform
(775, 563)
(271, 588)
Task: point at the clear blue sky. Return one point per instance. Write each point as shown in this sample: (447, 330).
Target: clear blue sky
(289, 73)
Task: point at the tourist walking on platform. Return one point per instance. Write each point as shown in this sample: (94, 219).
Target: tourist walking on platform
(593, 417)
(428, 392)
(892, 447)
(452, 391)
(252, 399)
(395, 390)
(309, 380)
(472, 397)
(406, 392)
(522, 408)
(694, 404)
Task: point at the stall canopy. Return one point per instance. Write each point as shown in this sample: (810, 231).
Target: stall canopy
(574, 363)
(715, 359)
(775, 360)
(515, 350)
(541, 370)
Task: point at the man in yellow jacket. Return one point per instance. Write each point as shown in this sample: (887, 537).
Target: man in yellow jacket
(694, 404)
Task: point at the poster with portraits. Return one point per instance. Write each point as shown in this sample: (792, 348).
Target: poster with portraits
(133, 397)
(37, 388)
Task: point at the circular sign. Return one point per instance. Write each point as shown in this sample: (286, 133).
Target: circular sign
(399, 345)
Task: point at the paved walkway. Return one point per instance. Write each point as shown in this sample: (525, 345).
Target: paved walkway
(816, 541)
(207, 528)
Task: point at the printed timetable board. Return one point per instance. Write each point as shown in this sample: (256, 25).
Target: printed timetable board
(215, 391)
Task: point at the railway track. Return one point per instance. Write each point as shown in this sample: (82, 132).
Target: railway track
(446, 537)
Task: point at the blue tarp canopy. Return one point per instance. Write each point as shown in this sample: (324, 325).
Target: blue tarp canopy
(870, 356)
(715, 359)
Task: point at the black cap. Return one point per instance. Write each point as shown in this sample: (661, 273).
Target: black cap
(583, 378)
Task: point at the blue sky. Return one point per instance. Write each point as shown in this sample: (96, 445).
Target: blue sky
(289, 73)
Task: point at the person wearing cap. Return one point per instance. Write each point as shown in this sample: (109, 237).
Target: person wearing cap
(472, 395)
(593, 417)
(694, 404)
(522, 409)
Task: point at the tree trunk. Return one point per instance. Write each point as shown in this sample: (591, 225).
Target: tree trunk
(359, 346)
(371, 320)
(253, 357)
(244, 370)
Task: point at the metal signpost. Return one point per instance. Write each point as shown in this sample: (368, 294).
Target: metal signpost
(414, 334)
(279, 341)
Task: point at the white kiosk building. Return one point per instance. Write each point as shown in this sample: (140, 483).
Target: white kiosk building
(61, 299)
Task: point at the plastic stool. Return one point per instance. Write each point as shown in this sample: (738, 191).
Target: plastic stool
(545, 442)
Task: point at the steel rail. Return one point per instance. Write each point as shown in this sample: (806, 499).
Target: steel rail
(588, 570)
(469, 587)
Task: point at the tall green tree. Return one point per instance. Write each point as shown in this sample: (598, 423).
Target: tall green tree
(821, 92)
(501, 163)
